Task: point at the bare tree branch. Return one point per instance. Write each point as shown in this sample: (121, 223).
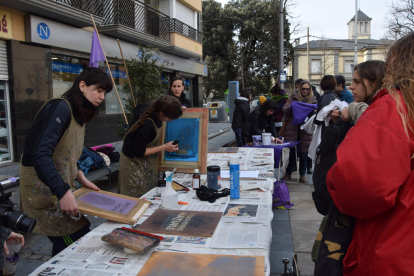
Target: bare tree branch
(401, 19)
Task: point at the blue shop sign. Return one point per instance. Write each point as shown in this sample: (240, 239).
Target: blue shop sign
(43, 31)
(186, 82)
(117, 74)
(66, 67)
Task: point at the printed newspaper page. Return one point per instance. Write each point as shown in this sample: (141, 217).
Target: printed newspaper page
(47, 270)
(253, 197)
(242, 235)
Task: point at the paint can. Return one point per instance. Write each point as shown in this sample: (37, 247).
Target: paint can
(266, 139)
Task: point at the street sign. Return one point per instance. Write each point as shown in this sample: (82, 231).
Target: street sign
(282, 77)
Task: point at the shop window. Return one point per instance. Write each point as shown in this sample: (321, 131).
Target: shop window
(5, 144)
(65, 70)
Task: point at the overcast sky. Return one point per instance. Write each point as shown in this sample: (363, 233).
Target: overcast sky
(330, 17)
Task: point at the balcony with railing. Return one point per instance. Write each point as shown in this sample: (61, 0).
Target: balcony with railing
(185, 40)
(72, 12)
(133, 21)
(347, 76)
(176, 26)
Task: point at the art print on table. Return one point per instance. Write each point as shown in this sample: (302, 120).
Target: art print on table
(240, 210)
(181, 222)
(109, 203)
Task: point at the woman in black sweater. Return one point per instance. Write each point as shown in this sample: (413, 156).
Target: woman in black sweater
(260, 120)
(49, 162)
(138, 165)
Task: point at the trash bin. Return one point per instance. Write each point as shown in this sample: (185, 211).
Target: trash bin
(217, 112)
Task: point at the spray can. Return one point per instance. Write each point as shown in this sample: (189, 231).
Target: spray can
(234, 177)
(169, 198)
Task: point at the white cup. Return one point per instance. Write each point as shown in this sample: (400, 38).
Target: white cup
(11, 259)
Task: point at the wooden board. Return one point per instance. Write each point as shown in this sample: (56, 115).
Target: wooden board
(185, 264)
(188, 166)
(111, 206)
(181, 222)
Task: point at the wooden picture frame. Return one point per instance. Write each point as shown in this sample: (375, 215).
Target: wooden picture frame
(135, 207)
(202, 135)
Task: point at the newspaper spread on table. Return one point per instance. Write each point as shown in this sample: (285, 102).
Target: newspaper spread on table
(242, 235)
(245, 228)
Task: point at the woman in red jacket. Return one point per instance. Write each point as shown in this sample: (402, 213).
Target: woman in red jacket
(373, 178)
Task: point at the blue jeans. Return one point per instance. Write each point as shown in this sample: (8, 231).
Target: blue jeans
(237, 133)
(302, 161)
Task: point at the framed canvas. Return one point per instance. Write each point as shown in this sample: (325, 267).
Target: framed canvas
(109, 205)
(191, 130)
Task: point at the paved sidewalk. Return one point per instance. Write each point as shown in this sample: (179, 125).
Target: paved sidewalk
(294, 230)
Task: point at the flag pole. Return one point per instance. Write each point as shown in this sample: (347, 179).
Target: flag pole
(126, 70)
(109, 69)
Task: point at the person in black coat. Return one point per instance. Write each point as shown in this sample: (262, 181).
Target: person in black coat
(176, 90)
(328, 84)
(259, 120)
(240, 114)
(280, 97)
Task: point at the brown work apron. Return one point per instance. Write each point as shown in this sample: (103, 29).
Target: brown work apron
(38, 201)
(139, 175)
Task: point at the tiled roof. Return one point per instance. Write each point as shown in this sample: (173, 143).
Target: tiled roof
(361, 16)
(344, 44)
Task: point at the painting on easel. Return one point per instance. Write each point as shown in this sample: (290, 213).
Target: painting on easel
(191, 130)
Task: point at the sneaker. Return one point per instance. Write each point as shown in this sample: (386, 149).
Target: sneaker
(287, 177)
(303, 179)
(310, 170)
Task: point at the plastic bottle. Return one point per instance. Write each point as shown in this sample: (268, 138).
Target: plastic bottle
(169, 198)
(196, 179)
(234, 177)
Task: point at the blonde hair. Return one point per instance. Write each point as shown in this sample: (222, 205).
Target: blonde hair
(310, 94)
(399, 74)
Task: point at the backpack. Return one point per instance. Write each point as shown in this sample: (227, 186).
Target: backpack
(325, 158)
(90, 159)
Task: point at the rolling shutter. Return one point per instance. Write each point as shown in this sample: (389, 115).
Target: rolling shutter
(4, 72)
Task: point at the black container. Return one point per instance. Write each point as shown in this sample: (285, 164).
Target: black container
(213, 177)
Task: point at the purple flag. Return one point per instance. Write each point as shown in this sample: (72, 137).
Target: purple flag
(301, 111)
(96, 51)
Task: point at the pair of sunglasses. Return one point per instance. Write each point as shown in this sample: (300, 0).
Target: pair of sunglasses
(305, 89)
